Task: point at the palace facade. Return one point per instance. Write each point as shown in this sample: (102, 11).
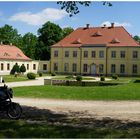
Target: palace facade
(95, 51)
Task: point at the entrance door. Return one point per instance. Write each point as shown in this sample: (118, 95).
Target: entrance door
(93, 69)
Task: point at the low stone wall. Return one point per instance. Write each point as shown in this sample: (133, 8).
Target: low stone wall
(75, 83)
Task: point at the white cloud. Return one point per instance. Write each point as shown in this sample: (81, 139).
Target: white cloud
(125, 24)
(48, 14)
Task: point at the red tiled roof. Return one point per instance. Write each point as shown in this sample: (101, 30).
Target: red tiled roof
(12, 53)
(106, 35)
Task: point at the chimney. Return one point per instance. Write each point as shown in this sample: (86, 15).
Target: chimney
(103, 26)
(1, 43)
(112, 25)
(87, 26)
(11, 44)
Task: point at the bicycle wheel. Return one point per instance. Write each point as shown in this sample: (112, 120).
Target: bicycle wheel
(14, 111)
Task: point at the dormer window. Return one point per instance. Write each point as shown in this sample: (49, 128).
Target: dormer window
(6, 54)
(115, 40)
(98, 33)
(77, 41)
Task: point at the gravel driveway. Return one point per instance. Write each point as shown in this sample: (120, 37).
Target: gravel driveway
(122, 110)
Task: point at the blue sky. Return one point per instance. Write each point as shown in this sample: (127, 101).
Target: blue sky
(29, 16)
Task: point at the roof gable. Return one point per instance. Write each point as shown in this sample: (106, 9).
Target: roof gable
(12, 53)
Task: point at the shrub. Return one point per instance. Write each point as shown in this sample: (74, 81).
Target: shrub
(102, 78)
(114, 76)
(40, 74)
(53, 74)
(31, 75)
(137, 81)
(22, 68)
(15, 69)
(79, 78)
(70, 77)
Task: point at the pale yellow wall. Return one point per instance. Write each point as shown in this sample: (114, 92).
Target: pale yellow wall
(80, 60)
(41, 63)
(128, 60)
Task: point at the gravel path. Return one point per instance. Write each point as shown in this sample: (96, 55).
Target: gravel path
(122, 110)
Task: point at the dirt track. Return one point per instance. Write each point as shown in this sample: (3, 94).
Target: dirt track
(122, 110)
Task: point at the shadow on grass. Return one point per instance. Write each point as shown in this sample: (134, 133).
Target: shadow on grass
(42, 123)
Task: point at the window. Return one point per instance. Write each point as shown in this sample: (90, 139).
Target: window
(66, 53)
(113, 68)
(44, 66)
(74, 53)
(113, 54)
(135, 54)
(85, 67)
(101, 54)
(101, 68)
(2, 66)
(93, 54)
(27, 66)
(122, 54)
(134, 69)
(55, 66)
(55, 53)
(8, 66)
(122, 68)
(34, 66)
(74, 67)
(66, 67)
(85, 53)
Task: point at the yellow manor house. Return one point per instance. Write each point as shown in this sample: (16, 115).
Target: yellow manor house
(95, 51)
(86, 51)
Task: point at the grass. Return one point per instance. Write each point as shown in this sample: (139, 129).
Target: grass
(12, 78)
(130, 91)
(22, 129)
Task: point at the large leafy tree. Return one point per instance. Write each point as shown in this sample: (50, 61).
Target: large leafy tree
(10, 35)
(29, 42)
(49, 34)
(67, 31)
(137, 38)
(72, 7)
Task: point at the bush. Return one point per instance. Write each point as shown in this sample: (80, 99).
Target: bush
(31, 75)
(15, 69)
(53, 74)
(40, 74)
(22, 68)
(79, 78)
(137, 81)
(102, 78)
(114, 76)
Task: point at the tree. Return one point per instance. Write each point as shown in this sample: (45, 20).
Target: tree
(49, 34)
(71, 7)
(22, 68)
(29, 42)
(10, 35)
(67, 31)
(137, 38)
(15, 69)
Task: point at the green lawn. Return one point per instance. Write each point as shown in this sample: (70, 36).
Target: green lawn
(12, 78)
(129, 91)
(21, 129)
